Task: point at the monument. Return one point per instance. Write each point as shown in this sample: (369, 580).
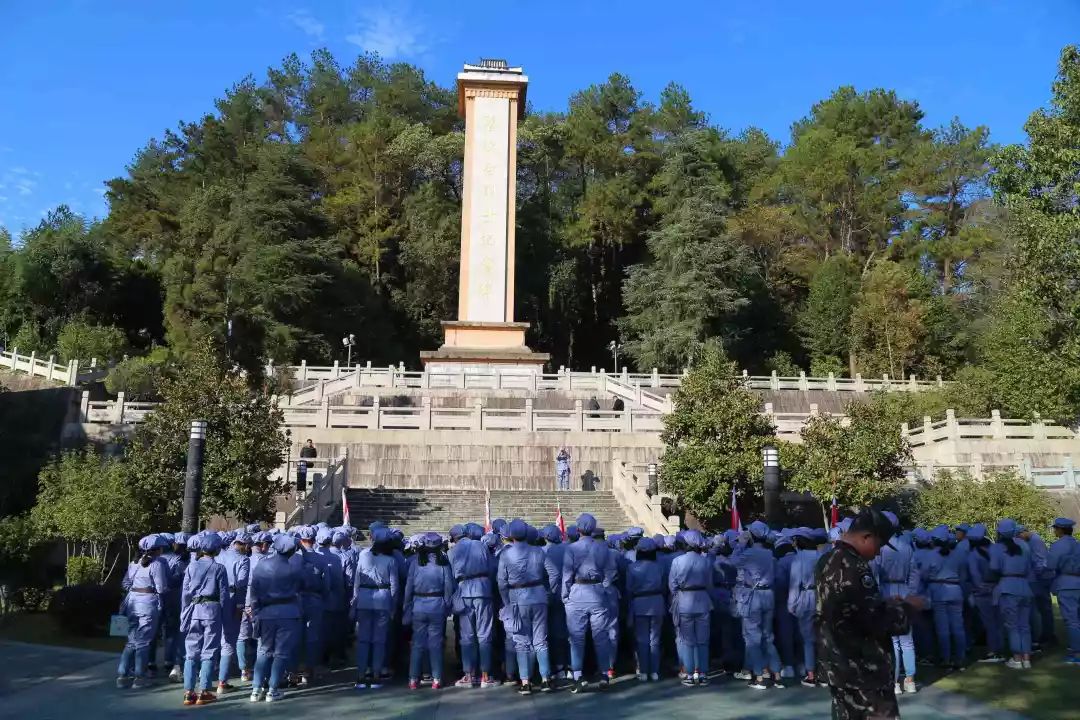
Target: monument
(491, 98)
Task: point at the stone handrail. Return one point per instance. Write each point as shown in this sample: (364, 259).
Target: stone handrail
(69, 374)
(993, 428)
(629, 484)
(318, 381)
(324, 488)
(1064, 477)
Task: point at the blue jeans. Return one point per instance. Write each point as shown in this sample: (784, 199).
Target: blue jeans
(693, 642)
(808, 637)
(277, 641)
(563, 479)
(904, 651)
(949, 626)
(761, 653)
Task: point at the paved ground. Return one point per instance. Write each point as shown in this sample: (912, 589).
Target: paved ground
(49, 683)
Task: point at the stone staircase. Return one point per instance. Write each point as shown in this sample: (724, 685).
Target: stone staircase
(416, 511)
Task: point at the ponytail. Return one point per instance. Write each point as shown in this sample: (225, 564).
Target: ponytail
(422, 556)
(441, 559)
(145, 560)
(1011, 547)
(645, 555)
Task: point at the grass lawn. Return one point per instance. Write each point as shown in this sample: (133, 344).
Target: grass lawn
(41, 629)
(1050, 690)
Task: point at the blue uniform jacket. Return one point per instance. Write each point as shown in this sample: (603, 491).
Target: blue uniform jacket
(274, 589)
(587, 572)
(896, 570)
(690, 583)
(645, 588)
(205, 590)
(946, 576)
(757, 570)
(376, 584)
(802, 596)
(1013, 571)
(1064, 560)
(556, 553)
(471, 563)
(525, 575)
(429, 589)
(980, 578)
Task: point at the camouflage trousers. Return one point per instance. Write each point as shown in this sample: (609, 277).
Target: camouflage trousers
(862, 704)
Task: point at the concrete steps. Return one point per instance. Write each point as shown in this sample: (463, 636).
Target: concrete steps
(436, 510)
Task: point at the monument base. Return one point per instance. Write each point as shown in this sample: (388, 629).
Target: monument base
(482, 347)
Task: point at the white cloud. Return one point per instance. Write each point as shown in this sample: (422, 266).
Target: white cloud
(308, 24)
(392, 31)
(100, 191)
(25, 186)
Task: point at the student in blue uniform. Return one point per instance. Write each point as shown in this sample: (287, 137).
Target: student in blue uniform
(176, 560)
(587, 572)
(334, 630)
(525, 577)
(726, 631)
(245, 638)
(376, 589)
(646, 591)
(1042, 608)
(429, 589)
(558, 637)
(922, 625)
(690, 584)
(146, 582)
(753, 556)
(314, 596)
(474, 606)
(237, 566)
(946, 574)
(802, 599)
(274, 601)
(785, 628)
(1010, 562)
(898, 577)
(982, 582)
(1063, 559)
(204, 593)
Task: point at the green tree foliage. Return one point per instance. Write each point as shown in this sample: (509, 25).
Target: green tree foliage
(85, 500)
(859, 461)
(887, 323)
(952, 498)
(80, 340)
(139, 378)
(244, 444)
(825, 321)
(714, 437)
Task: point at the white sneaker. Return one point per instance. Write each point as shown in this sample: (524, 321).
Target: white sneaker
(274, 695)
(176, 674)
(642, 677)
(909, 686)
(655, 677)
(1014, 664)
(743, 675)
(257, 696)
(897, 689)
(1027, 664)
(123, 681)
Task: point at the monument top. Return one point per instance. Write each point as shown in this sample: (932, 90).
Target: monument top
(493, 74)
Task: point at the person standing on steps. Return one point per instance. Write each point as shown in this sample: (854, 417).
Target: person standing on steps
(308, 452)
(562, 469)
(856, 625)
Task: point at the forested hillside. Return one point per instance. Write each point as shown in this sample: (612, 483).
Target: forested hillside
(323, 199)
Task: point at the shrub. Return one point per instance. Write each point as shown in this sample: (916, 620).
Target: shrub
(957, 497)
(139, 377)
(80, 340)
(84, 609)
(83, 570)
(30, 599)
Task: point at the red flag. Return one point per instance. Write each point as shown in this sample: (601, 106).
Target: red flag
(559, 522)
(344, 508)
(736, 521)
(834, 517)
(487, 511)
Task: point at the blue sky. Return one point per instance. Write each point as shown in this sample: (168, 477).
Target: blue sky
(85, 83)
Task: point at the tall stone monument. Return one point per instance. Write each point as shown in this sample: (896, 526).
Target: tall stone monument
(491, 98)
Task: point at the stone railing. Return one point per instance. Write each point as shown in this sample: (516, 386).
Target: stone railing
(1058, 478)
(424, 417)
(326, 478)
(317, 382)
(69, 374)
(992, 428)
(629, 484)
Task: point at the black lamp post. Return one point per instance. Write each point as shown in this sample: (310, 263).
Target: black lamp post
(193, 477)
(774, 512)
(654, 485)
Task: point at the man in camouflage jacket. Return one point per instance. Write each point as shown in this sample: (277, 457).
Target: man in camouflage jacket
(856, 625)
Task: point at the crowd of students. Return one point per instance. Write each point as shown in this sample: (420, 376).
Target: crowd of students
(541, 608)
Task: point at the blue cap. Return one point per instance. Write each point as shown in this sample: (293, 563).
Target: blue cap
(306, 532)
(532, 535)
(180, 538)
(759, 530)
(551, 534)
(148, 543)
(732, 535)
(646, 545)
(921, 536)
(499, 525)
(164, 540)
(252, 528)
(941, 534)
(977, 531)
(242, 536)
(518, 529)
(802, 532)
(1063, 523)
(783, 540)
(339, 538)
(669, 542)
(324, 535)
(635, 532)
(693, 539)
(457, 532)
(819, 535)
(963, 527)
(432, 540)
(381, 536)
(572, 533)
(210, 542)
(376, 525)
(1006, 528)
(586, 524)
(490, 540)
(262, 537)
(473, 531)
(285, 544)
(167, 537)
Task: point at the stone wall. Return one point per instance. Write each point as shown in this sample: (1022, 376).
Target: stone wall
(494, 460)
